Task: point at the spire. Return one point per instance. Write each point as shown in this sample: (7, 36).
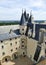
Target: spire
(30, 18)
(22, 21)
(31, 12)
(25, 14)
(22, 11)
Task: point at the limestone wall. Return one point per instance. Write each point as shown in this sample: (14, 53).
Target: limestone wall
(31, 47)
(9, 47)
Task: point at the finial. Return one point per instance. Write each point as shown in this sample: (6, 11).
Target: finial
(22, 10)
(31, 12)
(25, 9)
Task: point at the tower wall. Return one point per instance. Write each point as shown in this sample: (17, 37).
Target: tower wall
(31, 47)
(23, 29)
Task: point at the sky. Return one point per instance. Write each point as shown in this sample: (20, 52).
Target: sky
(12, 9)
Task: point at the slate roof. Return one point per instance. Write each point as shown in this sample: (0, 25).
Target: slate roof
(37, 28)
(30, 19)
(6, 36)
(29, 25)
(22, 21)
(24, 18)
(17, 31)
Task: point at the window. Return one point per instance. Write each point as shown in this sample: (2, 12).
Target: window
(37, 53)
(23, 52)
(22, 41)
(22, 45)
(2, 46)
(16, 48)
(10, 39)
(23, 29)
(3, 53)
(11, 50)
(15, 42)
(45, 42)
(19, 46)
(6, 59)
(15, 37)
(15, 56)
(23, 33)
(1, 41)
(11, 44)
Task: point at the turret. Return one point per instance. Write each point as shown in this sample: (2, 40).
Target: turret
(23, 23)
(30, 18)
(29, 29)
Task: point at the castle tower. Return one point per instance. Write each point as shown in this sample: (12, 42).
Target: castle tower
(29, 29)
(23, 26)
(23, 23)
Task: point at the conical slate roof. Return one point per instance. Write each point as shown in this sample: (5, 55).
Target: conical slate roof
(22, 21)
(30, 19)
(25, 14)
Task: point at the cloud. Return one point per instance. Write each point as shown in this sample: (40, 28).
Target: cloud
(12, 9)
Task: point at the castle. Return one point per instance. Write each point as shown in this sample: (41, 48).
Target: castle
(29, 40)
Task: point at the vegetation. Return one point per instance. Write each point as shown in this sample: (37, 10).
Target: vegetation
(9, 23)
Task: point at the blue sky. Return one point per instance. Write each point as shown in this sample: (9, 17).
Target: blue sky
(12, 9)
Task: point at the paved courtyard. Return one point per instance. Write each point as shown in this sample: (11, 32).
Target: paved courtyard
(23, 61)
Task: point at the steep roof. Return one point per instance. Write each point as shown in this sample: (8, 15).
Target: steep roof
(30, 19)
(22, 21)
(17, 31)
(8, 35)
